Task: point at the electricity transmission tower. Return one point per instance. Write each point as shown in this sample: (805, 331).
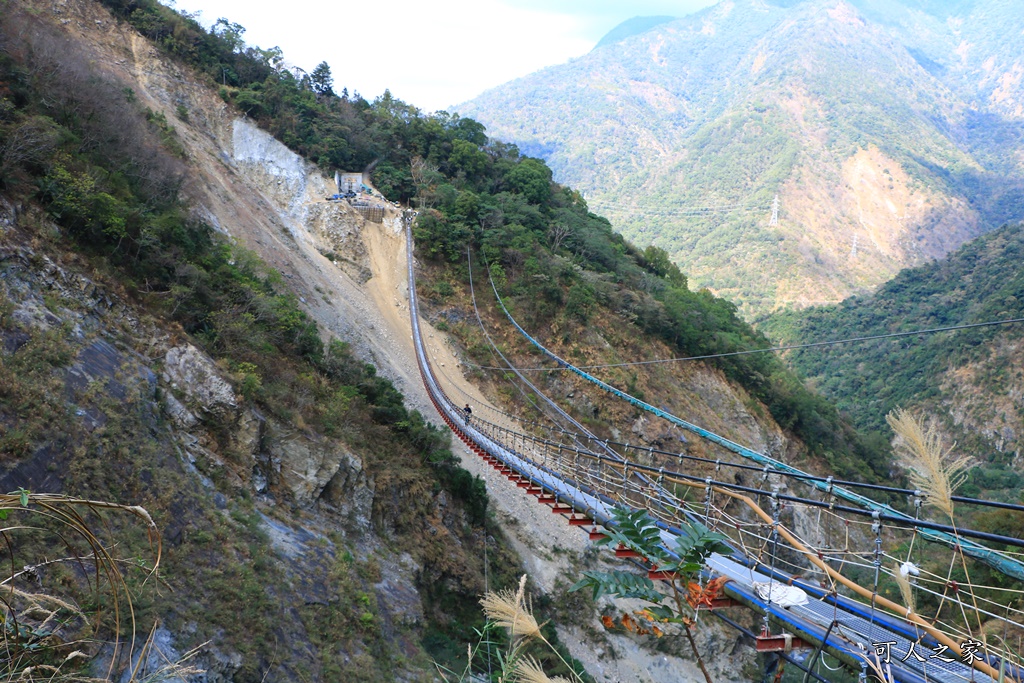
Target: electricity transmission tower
(775, 211)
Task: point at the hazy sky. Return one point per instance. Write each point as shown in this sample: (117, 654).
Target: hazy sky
(430, 53)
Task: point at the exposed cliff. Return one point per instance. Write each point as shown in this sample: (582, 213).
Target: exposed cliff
(307, 536)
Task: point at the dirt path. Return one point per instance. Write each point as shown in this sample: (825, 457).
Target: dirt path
(527, 520)
(250, 187)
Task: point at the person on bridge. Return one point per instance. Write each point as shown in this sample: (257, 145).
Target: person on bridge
(468, 411)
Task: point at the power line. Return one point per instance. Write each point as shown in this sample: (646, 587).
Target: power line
(680, 211)
(789, 347)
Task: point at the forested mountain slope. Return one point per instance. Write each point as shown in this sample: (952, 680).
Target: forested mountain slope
(971, 381)
(170, 337)
(186, 324)
(479, 191)
(890, 131)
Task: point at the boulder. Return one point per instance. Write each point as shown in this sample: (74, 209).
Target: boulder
(309, 469)
(191, 373)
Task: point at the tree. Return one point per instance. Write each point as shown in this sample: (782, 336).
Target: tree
(659, 263)
(681, 566)
(426, 178)
(441, 239)
(29, 141)
(231, 33)
(272, 57)
(322, 80)
(469, 130)
(468, 158)
(532, 179)
(557, 232)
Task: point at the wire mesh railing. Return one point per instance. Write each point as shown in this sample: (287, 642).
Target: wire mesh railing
(846, 558)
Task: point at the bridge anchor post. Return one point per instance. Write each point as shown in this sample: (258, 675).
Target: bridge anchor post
(783, 642)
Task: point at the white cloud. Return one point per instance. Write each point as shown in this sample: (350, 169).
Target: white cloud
(430, 54)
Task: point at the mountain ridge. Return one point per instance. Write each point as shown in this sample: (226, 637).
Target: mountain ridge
(967, 382)
(745, 100)
(631, 27)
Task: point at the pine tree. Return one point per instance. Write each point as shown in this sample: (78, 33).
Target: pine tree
(323, 82)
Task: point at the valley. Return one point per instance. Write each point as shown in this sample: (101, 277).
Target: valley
(876, 125)
(194, 322)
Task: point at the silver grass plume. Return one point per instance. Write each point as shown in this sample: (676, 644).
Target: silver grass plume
(509, 610)
(529, 670)
(906, 590)
(936, 472)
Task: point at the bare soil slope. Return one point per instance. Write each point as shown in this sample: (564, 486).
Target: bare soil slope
(351, 277)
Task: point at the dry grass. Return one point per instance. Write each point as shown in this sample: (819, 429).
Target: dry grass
(529, 670)
(509, 610)
(938, 473)
(906, 590)
(47, 636)
(933, 469)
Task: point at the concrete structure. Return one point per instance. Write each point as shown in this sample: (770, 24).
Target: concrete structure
(349, 182)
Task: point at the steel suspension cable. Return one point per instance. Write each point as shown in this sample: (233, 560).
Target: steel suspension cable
(628, 483)
(718, 463)
(799, 476)
(787, 347)
(991, 557)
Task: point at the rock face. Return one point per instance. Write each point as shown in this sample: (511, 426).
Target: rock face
(210, 431)
(298, 188)
(279, 170)
(8, 214)
(309, 470)
(265, 456)
(397, 592)
(192, 373)
(160, 660)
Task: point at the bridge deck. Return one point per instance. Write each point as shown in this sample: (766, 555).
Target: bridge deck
(848, 629)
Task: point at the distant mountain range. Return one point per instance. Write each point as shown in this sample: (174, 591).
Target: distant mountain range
(890, 130)
(631, 27)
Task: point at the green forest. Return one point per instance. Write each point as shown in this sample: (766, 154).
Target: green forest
(97, 179)
(980, 282)
(472, 190)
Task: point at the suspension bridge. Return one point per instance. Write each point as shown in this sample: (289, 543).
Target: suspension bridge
(808, 552)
